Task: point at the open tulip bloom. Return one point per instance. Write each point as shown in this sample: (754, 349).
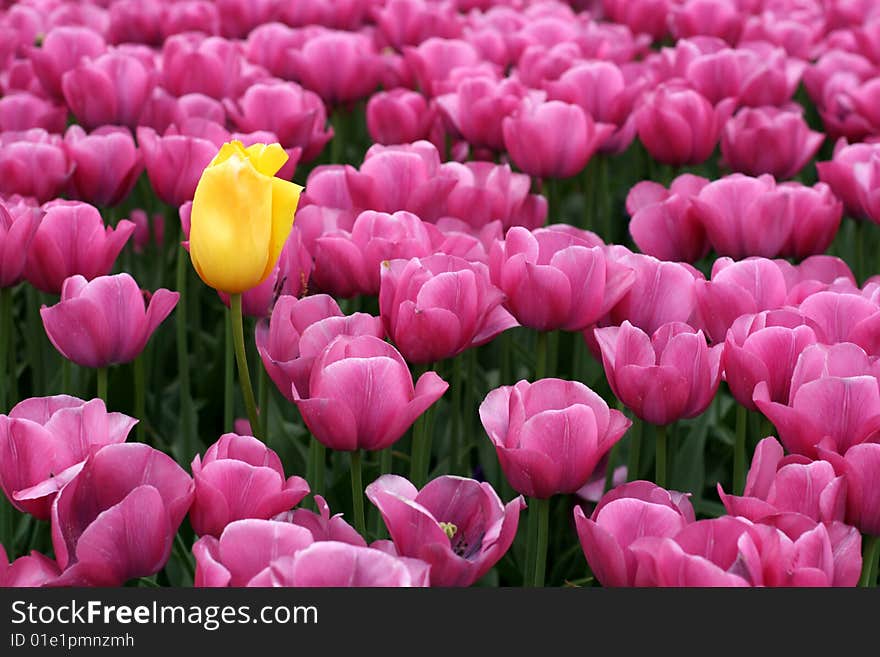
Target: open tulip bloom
(484, 250)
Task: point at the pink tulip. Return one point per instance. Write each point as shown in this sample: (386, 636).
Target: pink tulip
(556, 279)
(624, 515)
(106, 164)
(193, 63)
(239, 17)
(297, 333)
(295, 115)
(43, 442)
(670, 375)
(270, 45)
(662, 224)
(844, 318)
(163, 110)
(245, 548)
(549, 435)
(756, 76)
(645, 16)
(839, 174)
(89, 15)
(72, 239)
(679, 126)
(17, 229)
(860, 467)
(436, 307)
(800, 35)
(147, 230)
(401, 116)
(136, 21)
(707, 18)
(364, 416)
(28, 571)
(661, 292)
(240, 478)
(322, 525)
(768, 140)
(328, 563)
(459, 526)
(116, 519)
(601, 89)
(538, 145)
(538, 65)
(735, 289)
(817, 273)
(764, 347)
(110, 89)
(341, 67)
(403, 177)
(337, 14)
(174, 163)
(410, 22)
(62, 49)
(24, 111)
(793, 484)
(434, 60)
(104, 321)
(33, 163)
(485, 191)
(348, 264)
(479, 105)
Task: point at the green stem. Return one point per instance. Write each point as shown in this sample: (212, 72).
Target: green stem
(456, 420)
(180, 319)
(7, 372)
(244, 375)
(316, 466)
(660, 459)
(386, 466)
(228, 376)
(140, 398)
(357, 493)
(542, 510)
(102, 384)
(739, 451)
(263, 391)
(635, 451)
(541, 348)
(871, 552)
(421, 442)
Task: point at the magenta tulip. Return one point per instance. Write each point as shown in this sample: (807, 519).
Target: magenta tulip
(624, 515)
(662, 224)
(549, 435)
(72, 239)
(110, 89)
(839, 317)
(296, 115)
(24, 111)
(194, 63)
(244, 549)
(136, 21)
(346, 410)
(670, 375)
(645, 16)
(104, 321)
(435, 59)
(410, 22)
(692, 18)
(240, 478)
(29, 571)
(348, 264)
(840, 174)
(322, 525)
(297, 333)
(401, 116)
(106, 164)
(17, 230)
(33, 163)
(116, 519)
(174, 163)
(333, 564)
(768, 140)
(44, 441)
(679, 126)
(538, 144)
(860, 466)
(437, 307)
(459, 526)
(62, 49)
(557, 279)
(764, 347)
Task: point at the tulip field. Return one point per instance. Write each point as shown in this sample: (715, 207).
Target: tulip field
(448, 293)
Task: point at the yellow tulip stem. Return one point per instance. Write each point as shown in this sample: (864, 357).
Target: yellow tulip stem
(244, 376)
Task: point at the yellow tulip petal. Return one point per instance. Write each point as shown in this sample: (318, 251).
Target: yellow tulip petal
(227, 150)
(232, 226)
(267, 158)
(285, 198)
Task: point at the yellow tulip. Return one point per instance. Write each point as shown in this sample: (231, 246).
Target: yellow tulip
(241, 216)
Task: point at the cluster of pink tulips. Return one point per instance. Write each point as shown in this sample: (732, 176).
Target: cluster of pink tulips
(559, 272)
